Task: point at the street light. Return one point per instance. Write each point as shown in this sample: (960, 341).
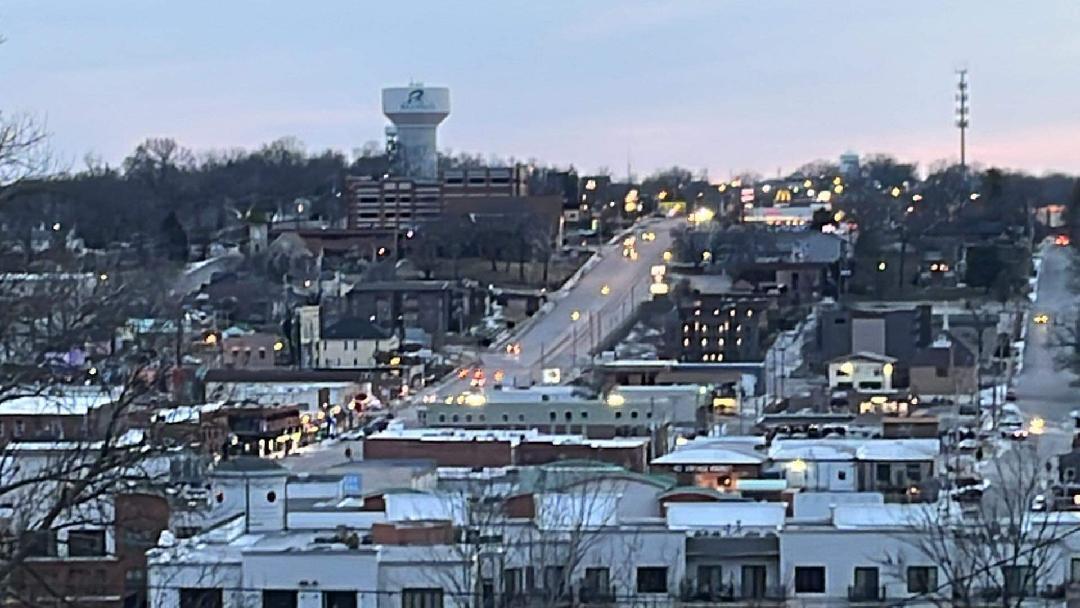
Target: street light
(881, 266)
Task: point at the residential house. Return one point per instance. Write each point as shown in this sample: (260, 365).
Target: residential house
(946, 370)
(352, 343)
(863, 371)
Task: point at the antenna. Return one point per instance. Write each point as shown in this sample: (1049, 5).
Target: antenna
(962, 115)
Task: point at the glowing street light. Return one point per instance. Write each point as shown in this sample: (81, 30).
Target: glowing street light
(797, 466)
(881, 266)
(574, 316)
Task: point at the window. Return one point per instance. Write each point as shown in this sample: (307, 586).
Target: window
(882, 472)
(809, 579)
(278, 598)
(652, 579)
(421, 598)
(914, 471)
(865, 584)
(42, 543)
(512, 581)
(1019, 581)
(1074, 570)
(710, 579)
(633, 414)
(86, 543)
(551, 415)
(339, 599)
(597, 579)
(922, 579)
(941, 372)
(20, 428)
(262, 353)
(568, 415)
(841, 475)
(200, 598)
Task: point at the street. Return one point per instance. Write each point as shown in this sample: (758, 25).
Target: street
(579, 317)
(1043, 390)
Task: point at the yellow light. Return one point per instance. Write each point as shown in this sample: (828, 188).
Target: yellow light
(736, 183)
(335, 411)
(895, 191)
(881, 266)
(887, 369)
(605, 290)
(838, 216)
(590, 185)
(917, 198)
(305, 419)
(722, 187)
(659, 289)
(1037, 426)
(279, 346)
(475, 399)
(797, 466)
(766, 188)
(211, 339)
(837, 181)
(807, 183)
(321, 415)
(706, 256)
(847, 368)
(574, 316)
(395, 360)
(615, 400)
(702, 215)
(667, 256)
(662, 195)
(933, 267)
(103, 276)
(839, 189)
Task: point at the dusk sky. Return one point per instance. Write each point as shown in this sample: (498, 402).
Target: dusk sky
(723, 86)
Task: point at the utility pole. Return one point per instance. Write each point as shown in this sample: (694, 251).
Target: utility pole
(962, 113)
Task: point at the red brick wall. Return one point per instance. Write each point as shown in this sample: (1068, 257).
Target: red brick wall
(633, 458)
(444, 453)
(433, 533)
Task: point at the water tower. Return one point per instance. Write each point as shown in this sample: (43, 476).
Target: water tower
(416, 112)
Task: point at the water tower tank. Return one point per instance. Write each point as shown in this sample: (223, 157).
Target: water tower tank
(416, 111)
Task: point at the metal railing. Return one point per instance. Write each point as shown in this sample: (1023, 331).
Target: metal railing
(866, 593)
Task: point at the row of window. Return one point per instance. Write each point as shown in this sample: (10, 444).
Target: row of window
(80, 543)
(865, 580)
(552, 416)
(289, 598)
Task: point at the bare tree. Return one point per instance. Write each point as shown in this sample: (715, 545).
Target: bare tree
(997, 552)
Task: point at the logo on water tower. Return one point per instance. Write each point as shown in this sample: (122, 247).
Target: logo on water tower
(415, 101)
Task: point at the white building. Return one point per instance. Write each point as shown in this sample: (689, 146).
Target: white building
(862, 371)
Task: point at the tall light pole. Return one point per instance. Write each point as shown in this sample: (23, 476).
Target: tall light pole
(962, 115)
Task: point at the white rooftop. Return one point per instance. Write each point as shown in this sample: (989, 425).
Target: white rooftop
(733, 515)
(734, 449)
(870, 449)
(73, 401)
(514, 437)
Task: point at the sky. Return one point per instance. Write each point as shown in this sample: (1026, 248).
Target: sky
(718, 85)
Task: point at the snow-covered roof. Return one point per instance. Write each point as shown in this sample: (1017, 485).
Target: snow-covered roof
(419, 506)
(185, 413)
(736, 515)
(853, 517)
(865, 356)
(731, 455)
(514, 437)
(865, 449)
(71, 402)
(899, 449)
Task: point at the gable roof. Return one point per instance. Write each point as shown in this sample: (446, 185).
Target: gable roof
(866, 356)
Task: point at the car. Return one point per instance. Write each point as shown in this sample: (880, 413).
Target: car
(1041, 318)
(968, 445)
(1038, 503)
